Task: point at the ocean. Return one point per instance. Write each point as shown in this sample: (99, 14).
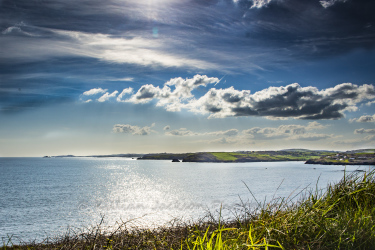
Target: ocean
(44, 198)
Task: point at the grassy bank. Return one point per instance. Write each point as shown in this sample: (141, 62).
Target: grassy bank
(254, 156)
(341, 217)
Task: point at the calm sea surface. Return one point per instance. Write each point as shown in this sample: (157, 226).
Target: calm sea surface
(42, 198)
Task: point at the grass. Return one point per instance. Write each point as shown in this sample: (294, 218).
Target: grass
(341, 217)
(224, 156)
(245, 157)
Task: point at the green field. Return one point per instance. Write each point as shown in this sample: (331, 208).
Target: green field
(253, 156)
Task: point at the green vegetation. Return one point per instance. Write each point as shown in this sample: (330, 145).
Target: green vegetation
(224, 156)
(163, 156)
(341, 217)
(254, 156)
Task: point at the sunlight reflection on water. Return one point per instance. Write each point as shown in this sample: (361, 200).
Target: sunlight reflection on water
(43, 197)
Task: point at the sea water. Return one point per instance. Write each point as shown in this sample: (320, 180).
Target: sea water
(45, 197)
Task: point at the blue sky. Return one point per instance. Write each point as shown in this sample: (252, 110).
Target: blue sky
(125, 76)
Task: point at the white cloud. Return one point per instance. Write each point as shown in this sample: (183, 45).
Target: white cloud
(185, 132)
(364, 118)
(125, 79)
(230, 132)
(291, 101)
(370, 137)
(94, 91)
(147, 93)
(108, 96)
(175, 94)
(260, 3)
(315, 125)
(123, 93)
(224, 140)
(329, 3)
(295, 132)
(219, 102)
(16, 30)
(130, 48)
(364, 131)
(167, 128)
(181, 132)
(134, 130)
(311, 137)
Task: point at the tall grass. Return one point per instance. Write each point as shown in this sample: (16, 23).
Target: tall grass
(343, 217)
(340, 217)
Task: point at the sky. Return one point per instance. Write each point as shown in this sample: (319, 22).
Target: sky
(148, 76)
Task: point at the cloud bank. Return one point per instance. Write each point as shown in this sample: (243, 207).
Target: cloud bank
(134, 130)
(291, 101)
(370, 133)
(284, 132)
(295, 132)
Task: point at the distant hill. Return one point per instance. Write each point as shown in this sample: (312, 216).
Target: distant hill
(239, 156)
(253, 156)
